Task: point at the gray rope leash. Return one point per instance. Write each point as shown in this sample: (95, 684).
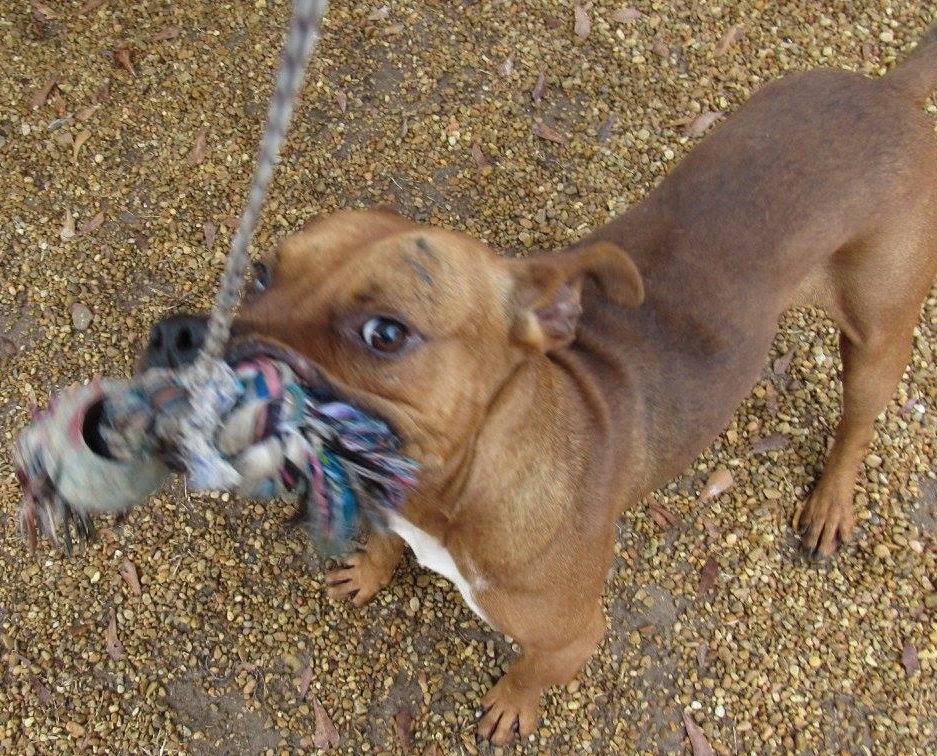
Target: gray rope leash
(304, 33)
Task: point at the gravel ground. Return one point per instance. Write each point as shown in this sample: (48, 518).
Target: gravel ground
(127, 136)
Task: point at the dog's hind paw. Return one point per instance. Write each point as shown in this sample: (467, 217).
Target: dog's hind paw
(826, 520)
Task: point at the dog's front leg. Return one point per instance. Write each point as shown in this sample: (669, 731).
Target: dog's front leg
(362, 574)
(512, 705)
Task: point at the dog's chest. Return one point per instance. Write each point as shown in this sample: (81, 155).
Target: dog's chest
(434, 556)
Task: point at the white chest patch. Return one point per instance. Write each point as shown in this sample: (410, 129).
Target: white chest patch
(434, 556)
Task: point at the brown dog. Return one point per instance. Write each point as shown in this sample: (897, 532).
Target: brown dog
(542, 396)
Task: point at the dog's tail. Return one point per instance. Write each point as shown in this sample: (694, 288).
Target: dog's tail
(917, 74)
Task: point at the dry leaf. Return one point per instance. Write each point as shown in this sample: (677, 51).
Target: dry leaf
(123, 56)
(42, 11)
(39, 688)
(129, 573)
(341, 99)
(698, 740)
(325, 736)
(114, 648)
(733, 34)
(170, 32)
(782, 363)
(539, 88)
(68, 226)
(91, 5)
(39, 99)
(209, 229)
(583, 23)
(403, 725)
(623, 15)
(658, 517)
(698, 125)
(379, 14)
(480, 158)
(711, 528)
(58, 102)
(770, 443)
(702, 654)
(231, 221)
(394, 29)
(92, 224)
(543, 131)
(552, 22)
(305, 680)
(707, 577)
(507, 67)
(910, 660)
(197, 155)
(8, 346)
(719, 482)
(663, 517)
(431, 750)
(83, 137)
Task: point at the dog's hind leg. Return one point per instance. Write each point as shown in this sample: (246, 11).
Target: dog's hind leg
(874, 292)
(871, 371)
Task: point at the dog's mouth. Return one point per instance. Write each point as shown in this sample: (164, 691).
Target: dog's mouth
(243, 348)
(314, 378)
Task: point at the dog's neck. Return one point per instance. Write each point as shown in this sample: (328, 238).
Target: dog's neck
(559, 428)
(684, 358)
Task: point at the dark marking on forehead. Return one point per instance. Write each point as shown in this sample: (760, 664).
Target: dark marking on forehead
(369, 295)
(425, 249)
(420, 269)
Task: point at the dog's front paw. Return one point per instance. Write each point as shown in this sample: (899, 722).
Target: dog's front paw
(826, 519)
(508, 711)
(358, 577)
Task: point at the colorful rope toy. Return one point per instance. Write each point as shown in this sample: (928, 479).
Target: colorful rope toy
(101, 448)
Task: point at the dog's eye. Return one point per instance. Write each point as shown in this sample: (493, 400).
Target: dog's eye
(261, 277)
(384, 334)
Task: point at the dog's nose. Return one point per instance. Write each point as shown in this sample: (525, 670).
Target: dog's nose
(175, 341)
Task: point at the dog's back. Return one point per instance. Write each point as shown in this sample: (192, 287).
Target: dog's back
(821, 190)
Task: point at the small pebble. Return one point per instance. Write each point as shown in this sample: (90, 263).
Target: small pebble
(81, 316)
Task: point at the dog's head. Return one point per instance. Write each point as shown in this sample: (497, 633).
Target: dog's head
(419, 326)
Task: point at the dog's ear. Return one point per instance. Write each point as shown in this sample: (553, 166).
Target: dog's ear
(548, 289)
